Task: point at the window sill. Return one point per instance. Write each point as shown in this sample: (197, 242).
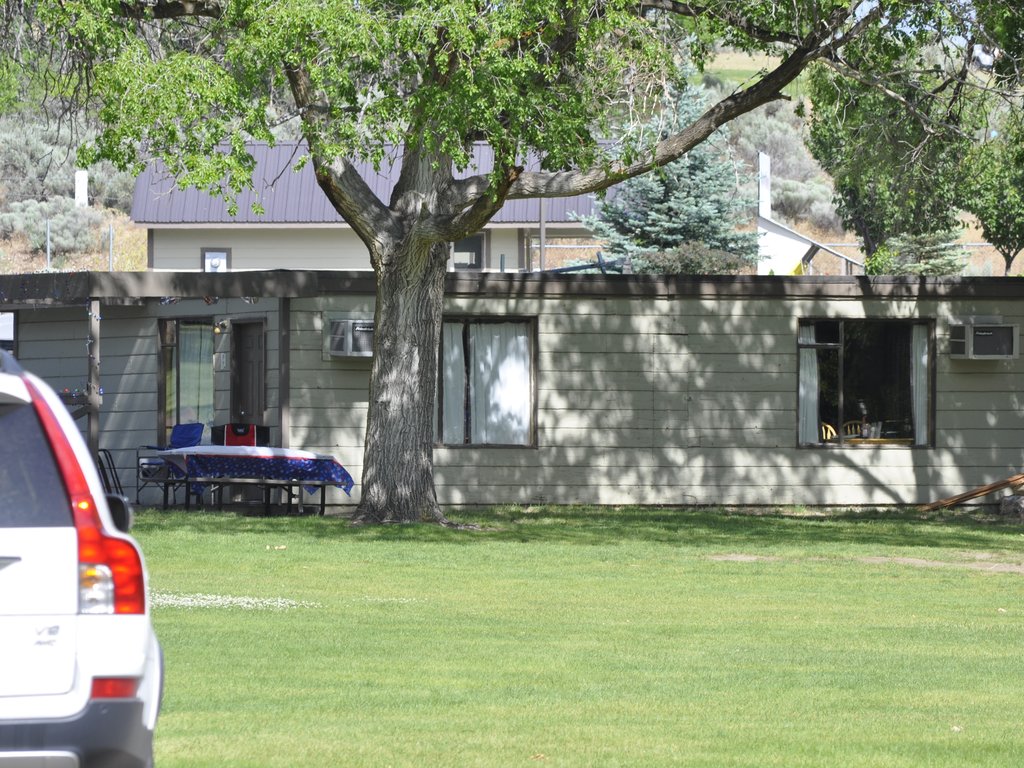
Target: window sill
(484, 445)
(898, 442)
(905, 441)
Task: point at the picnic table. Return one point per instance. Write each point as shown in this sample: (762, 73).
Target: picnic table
(212, 467)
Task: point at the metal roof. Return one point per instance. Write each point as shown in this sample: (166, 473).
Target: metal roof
(293, 197)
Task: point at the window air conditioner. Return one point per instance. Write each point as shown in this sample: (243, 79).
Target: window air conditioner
(351, 338)
(983, 341)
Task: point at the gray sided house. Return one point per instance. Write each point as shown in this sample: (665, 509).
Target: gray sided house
(189, 230)
(587, 389)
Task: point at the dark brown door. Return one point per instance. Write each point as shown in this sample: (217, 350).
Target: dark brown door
(248, 372)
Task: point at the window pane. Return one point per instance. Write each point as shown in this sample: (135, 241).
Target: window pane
(826, 332)
(31, 488)
(876, 377)
(828, 390)
(468, 253)
(453, 385)
(195, 373)
(500, 383)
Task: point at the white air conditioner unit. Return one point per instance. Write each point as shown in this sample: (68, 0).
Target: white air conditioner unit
(984, 341)
(350, 338)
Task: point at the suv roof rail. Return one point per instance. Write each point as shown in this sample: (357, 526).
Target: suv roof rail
(8, 363)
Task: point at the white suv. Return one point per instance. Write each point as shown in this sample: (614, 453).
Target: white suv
(80, 666)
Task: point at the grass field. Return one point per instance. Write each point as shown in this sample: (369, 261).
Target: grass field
(576, 637)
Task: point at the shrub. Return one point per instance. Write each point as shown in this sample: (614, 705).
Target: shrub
(801, 190)
(692, 258)
(72, 229)
(37, 162)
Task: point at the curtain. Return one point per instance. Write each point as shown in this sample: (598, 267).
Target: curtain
(808, 419)
(919, 382)
(453, 382)
(500, 388)
(195, 373)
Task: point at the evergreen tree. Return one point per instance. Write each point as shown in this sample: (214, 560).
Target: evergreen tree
(683, 218)
(933, 254)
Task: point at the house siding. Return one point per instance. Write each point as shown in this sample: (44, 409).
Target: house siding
(329, 396)
(646, 392)
(52, 344)
(180, 249)
(694, 401)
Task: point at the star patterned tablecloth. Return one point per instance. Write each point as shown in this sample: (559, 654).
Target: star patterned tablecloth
(259, 463)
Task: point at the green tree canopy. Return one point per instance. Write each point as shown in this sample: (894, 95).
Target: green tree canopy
(894, 154)
(994, 193)
(191, 82)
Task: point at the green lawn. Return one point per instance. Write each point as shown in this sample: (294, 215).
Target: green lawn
(575, 637)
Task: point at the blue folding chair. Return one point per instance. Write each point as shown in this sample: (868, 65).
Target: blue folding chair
(152, 470)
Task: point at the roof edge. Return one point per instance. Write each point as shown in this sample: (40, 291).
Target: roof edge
(71, 288)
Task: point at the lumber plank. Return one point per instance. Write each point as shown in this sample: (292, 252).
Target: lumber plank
(974, 493)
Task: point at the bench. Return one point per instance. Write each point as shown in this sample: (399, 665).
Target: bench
(217, 484)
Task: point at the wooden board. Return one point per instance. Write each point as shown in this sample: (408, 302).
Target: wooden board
(974, 493)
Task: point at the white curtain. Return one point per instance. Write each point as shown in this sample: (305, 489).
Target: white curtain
(453, 373)
(500, 390)
(919, 382)
(808, 428)
(195, 373)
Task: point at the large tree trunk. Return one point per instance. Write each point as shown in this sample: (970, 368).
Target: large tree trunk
(398, 479)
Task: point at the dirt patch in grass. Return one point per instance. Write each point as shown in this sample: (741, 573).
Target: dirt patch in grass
(736, 557)
(981, 563)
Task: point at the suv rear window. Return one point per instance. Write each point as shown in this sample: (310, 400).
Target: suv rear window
(31, 487)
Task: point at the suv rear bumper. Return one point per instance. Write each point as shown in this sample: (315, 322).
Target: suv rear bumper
(106, 734)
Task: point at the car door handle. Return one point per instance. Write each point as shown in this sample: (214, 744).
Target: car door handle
(5, 561)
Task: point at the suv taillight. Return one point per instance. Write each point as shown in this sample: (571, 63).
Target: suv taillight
(110, 576)
(114, 688)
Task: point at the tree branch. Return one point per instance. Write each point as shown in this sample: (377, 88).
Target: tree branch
(173, 9)
(821, 42)
(738, 21)
(487, 203)
(350, 195)
(877, 83)
(578, 182)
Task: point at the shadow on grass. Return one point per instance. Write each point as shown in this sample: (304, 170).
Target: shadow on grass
(706, 527)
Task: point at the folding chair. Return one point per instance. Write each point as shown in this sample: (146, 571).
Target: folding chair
(152, 470)
(108, 472)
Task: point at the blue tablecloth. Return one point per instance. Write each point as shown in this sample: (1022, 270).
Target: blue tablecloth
(259, 463)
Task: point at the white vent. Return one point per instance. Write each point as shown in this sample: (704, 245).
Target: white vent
(984, 341)
(350, 338)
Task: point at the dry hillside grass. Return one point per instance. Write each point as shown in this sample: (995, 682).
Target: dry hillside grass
(17, 256)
